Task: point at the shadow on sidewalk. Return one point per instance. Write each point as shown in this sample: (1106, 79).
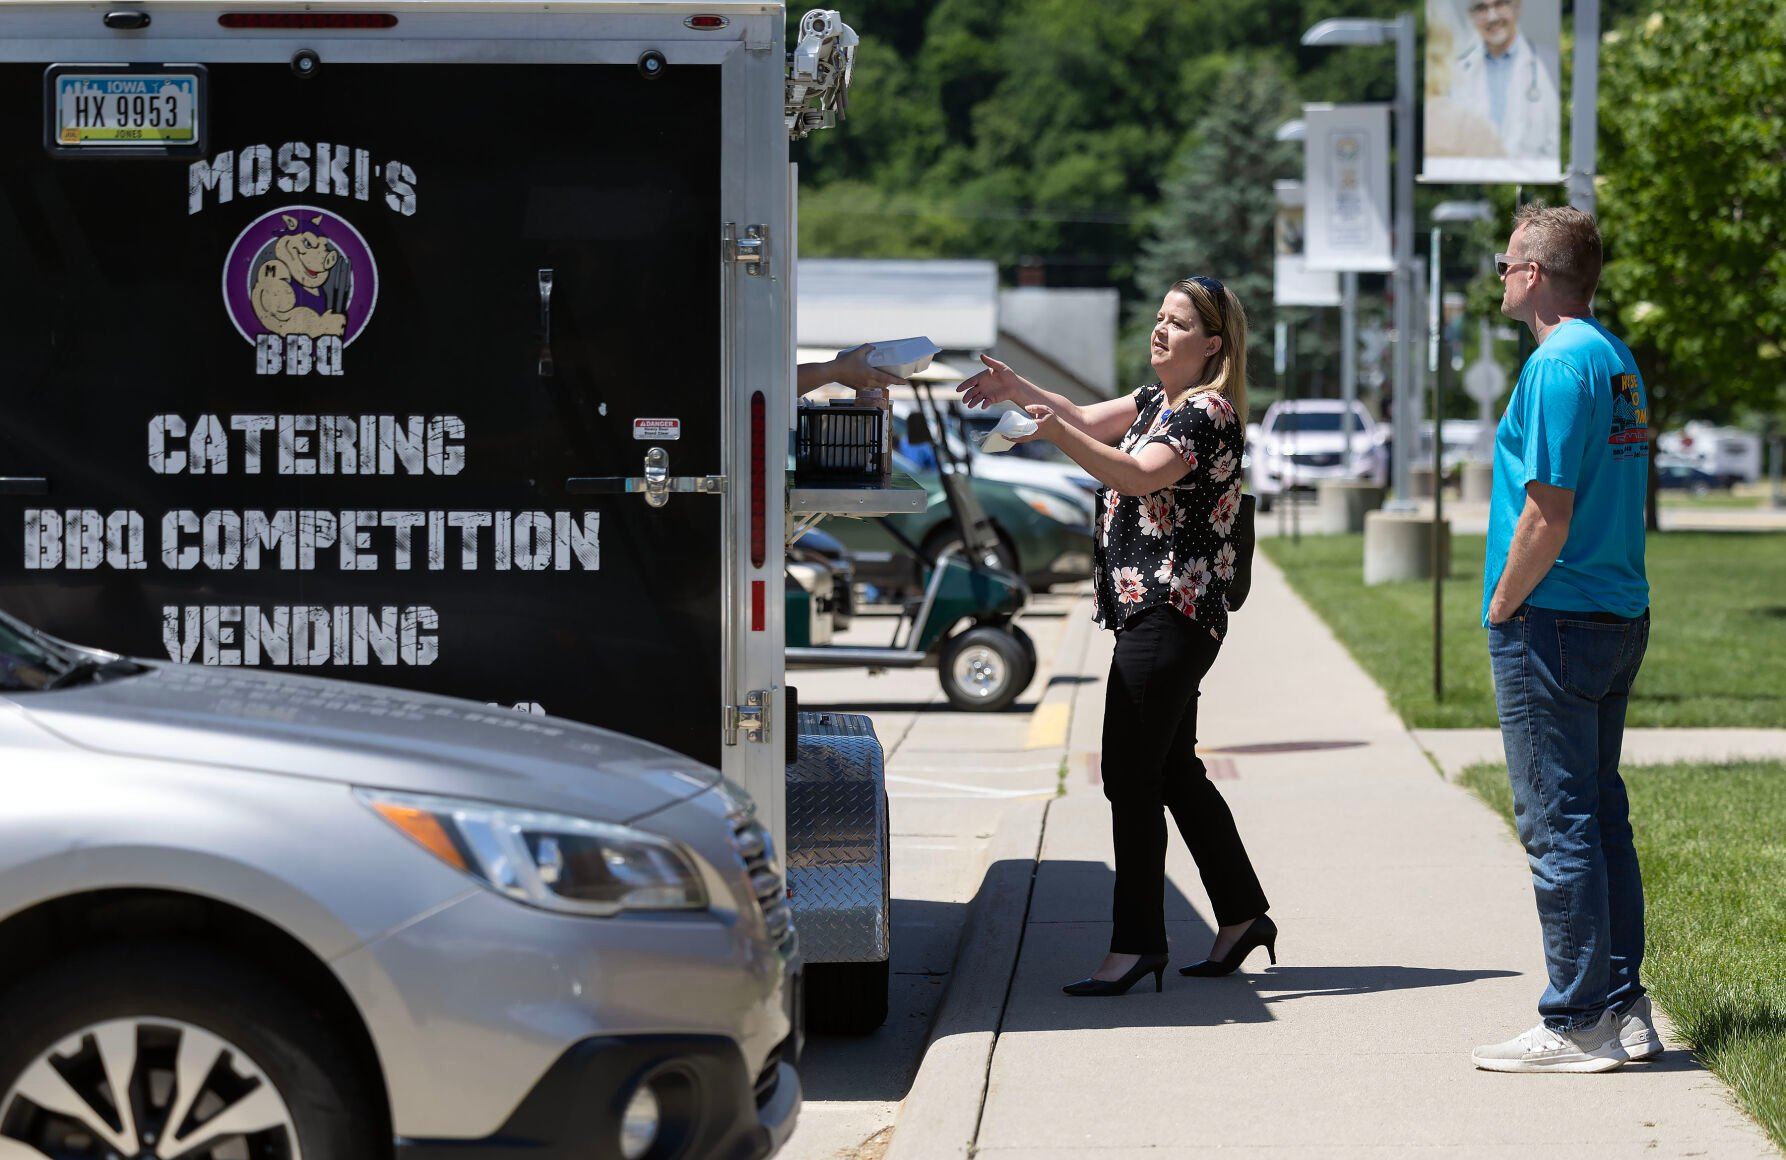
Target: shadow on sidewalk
(1068, 932)
(880, 1066)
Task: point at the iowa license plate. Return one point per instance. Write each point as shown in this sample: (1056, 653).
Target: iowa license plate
(102, 110)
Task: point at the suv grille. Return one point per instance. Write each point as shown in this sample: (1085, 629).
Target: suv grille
(758, 854)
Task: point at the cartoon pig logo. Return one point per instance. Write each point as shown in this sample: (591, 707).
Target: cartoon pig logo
(300, 271)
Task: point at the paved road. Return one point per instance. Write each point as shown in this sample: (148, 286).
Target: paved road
(951, 776)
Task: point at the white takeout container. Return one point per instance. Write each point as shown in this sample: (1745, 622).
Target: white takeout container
(904, 357)
(1011, 423)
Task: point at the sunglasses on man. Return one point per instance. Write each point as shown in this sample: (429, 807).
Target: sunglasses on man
(1506, 262)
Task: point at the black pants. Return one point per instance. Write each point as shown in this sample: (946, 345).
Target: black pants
(1150, 765)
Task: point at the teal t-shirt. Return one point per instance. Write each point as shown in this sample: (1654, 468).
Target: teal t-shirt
(1578, 418)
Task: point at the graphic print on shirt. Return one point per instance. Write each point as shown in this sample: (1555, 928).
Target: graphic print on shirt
(1630, 437)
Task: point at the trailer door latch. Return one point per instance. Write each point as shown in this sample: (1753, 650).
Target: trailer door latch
(752, 718)
(657, 483)
(747, 249)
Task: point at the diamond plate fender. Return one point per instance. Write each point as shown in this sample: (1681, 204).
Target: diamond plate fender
(837, 840)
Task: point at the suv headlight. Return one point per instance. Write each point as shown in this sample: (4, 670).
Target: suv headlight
(1054, 507)
(552, 861)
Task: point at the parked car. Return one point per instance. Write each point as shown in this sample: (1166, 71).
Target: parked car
(1044, 535)
(1674, 474)
(249, 914)
(1037, 464)
(1299, 443)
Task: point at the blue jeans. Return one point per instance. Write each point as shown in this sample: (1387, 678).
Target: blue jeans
(1562, 682)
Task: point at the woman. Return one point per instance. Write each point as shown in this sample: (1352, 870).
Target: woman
(1169, 459)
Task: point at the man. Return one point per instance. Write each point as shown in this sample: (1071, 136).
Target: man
(1566, 604)
(1501, 77)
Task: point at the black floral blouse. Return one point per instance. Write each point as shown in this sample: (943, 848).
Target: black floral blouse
(1175, 545)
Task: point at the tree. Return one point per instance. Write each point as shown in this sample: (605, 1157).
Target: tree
(1217, 208)
(1693, 205)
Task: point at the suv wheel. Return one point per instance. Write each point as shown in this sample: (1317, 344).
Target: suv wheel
(168, 1052)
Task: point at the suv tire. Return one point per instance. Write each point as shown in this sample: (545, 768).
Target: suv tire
(183, 996)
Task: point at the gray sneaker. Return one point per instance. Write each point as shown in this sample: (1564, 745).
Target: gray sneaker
(1637, 1031)
(1595, 1048)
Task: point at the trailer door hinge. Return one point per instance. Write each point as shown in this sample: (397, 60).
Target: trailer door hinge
(753, 718)
(748, 249)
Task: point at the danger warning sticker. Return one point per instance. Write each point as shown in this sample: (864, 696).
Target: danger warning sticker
(657, 428)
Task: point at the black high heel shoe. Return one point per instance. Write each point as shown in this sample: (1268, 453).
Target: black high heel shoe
(1263, 933)
(1154, 965)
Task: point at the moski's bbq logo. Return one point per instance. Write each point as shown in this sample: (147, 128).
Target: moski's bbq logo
(300, 282)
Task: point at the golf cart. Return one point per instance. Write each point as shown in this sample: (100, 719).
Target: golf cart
(987, 664)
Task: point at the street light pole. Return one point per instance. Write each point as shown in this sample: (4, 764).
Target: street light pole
(1348, 361)
(1400, 32)
(1435, 364)
(1584, 125)
(1444, 212)
(1407, 435)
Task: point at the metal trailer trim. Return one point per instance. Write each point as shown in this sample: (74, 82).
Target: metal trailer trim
(427, 33)
(837, 856)
(754, 191)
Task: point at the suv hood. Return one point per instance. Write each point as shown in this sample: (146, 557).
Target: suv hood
(368, 735)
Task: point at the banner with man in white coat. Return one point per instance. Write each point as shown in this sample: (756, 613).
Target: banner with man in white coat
(1492, 108)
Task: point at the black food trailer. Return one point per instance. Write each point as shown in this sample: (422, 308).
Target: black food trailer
(328, 346)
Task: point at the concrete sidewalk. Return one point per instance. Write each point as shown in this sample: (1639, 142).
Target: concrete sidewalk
(1458, 749)
(1408, 937)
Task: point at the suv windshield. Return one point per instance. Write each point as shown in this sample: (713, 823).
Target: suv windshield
(28, 661)
(1316, 421)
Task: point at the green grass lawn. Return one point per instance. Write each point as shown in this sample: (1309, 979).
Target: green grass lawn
(1712, 842)
(1717, 653)
(1716, 499)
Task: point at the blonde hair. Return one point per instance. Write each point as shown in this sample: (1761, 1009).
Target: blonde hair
(1225, 373)
(1565, 243)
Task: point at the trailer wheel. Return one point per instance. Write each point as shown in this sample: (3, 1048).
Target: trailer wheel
(846, 998)
(983, 670)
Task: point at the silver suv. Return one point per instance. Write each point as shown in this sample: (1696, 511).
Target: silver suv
(248, 915)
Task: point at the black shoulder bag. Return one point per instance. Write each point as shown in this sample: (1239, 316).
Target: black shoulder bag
(1243, 553)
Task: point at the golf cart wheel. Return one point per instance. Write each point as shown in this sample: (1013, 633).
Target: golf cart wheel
(983, 670)
(1030, 656)
(206, 1057)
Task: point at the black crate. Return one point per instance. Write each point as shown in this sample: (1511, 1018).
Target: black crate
(840, 445)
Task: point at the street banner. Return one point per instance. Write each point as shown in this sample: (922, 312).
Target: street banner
(1492, 110)
(1293, 283)
(1346, 175)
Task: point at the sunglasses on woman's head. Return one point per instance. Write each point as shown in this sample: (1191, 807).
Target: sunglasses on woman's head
(1218, 292)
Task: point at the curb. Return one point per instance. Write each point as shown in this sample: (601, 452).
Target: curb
(1053, 715)
(940, 1116)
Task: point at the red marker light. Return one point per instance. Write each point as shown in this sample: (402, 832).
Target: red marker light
(305, 20)
(759, 480)
(706, 23)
